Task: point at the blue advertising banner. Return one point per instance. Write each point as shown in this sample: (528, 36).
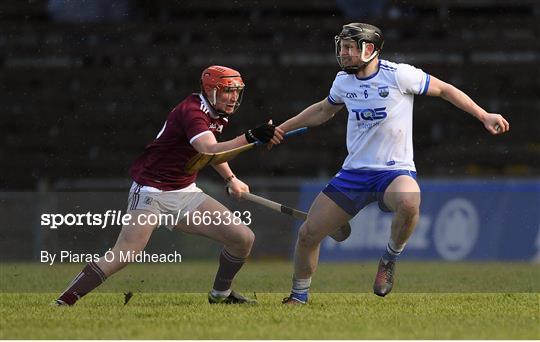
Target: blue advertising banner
(459, 220)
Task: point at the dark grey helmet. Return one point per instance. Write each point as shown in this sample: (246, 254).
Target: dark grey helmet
(360, 33)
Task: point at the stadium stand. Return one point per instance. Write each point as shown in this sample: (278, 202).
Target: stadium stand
(82, 100)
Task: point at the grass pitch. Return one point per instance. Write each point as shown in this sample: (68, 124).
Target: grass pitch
(430, 301)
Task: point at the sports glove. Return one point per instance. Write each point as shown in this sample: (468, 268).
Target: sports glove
(263, 133)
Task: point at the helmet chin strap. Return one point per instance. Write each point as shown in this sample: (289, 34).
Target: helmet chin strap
(212, 100)
(369, 59)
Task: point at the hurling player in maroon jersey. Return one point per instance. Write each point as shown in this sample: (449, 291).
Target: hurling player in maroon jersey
(161, 186)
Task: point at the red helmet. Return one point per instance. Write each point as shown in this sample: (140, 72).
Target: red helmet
(217, 78)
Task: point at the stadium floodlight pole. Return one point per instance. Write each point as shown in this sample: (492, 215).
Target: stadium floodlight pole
(339, 235)
(202, 159)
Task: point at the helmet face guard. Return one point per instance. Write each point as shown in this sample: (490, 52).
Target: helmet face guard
(360, 34)
(213, 98)
(217, 80)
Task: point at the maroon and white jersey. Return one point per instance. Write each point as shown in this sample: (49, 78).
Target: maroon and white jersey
(161, 165)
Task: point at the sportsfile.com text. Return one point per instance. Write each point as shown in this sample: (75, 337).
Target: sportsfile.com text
(117, 218)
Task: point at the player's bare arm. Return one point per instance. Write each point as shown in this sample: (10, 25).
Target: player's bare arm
(265, 133)
(494, 123)
(207, 143)
(314, 115)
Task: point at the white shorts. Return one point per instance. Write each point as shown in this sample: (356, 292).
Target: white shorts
(176, 202)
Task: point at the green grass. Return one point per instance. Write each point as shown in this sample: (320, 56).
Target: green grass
(268, 276)
(451, 301)
(330, 316)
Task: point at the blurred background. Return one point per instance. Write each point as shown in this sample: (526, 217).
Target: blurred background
(85, 85)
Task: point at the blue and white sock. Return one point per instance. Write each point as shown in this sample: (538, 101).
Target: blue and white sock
(300, 289)
(392, 252)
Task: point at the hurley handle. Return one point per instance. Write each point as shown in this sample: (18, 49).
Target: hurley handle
(297, 131)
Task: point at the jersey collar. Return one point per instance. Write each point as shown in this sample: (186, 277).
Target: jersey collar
(372, 75)
(210, 110)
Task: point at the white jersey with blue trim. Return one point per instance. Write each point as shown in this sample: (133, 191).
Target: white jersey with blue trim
(379, 127)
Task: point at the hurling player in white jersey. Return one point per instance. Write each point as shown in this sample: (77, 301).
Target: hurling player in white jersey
(378, 95)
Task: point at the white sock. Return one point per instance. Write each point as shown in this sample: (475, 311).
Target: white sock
(301, 285)
(395, 249)
(221, 294)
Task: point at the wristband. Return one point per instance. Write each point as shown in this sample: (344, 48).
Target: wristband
(230, 178)
(250, 137)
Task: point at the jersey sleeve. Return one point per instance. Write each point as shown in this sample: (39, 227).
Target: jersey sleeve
(335, 97)
(194, 125)
(412, 80)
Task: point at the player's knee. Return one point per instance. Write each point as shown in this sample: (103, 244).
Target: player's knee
(308, 235)
(243, 240)
(409, 205)
(249, 238)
